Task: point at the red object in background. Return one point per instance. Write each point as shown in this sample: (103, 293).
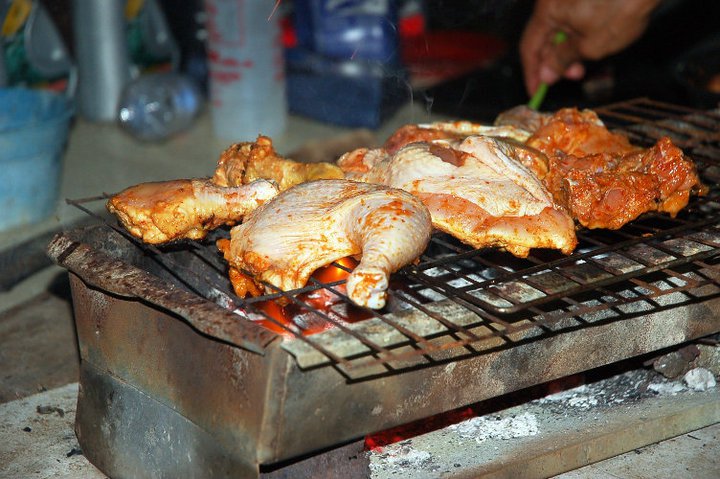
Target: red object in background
(289, 35)
(436, 56)
(411, 25)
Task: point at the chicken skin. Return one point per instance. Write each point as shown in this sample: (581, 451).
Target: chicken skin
(318, 222)
(246, 162)
(446, 130)
(159, 212)
(476, 192)
(452, 133)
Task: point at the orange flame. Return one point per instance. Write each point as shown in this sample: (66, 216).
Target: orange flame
(321, 299)
(332, 273)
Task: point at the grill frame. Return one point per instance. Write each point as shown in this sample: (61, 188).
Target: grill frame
(163, 388)
(641, 262)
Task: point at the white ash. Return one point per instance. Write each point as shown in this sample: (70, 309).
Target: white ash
(581, 397)
(666, 389)
(308, 320)
(483, 428)
(437, 271)
(699, 379)
(625, 388)
(401, 457)
(458, 283)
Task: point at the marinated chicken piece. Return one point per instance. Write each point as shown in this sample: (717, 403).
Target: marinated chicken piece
(448, 130)
(532, 159)
(243, 284)
(358, 162)
(476, 192)
(608, 190)
(452, 133)
(602, 179)
(164, 211)
(315, 223)
(579, 133)
(523, 117)
(246, 162)
(412, 133)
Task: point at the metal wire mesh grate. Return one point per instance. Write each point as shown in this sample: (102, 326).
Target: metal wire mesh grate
(458, 301)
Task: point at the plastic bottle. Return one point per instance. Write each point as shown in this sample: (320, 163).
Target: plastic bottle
(103, 61)
(159, 105)
(247, 69)
(116, 41)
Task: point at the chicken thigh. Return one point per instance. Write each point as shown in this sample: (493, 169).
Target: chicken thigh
(476, 192)
(570, 131)
(609, 190)
(318, 222)
(159, 212)
(458, 130)
(452, 133)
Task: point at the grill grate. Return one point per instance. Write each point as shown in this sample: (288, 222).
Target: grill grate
(460, 302)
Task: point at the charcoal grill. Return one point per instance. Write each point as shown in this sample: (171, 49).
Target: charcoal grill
(178, 377)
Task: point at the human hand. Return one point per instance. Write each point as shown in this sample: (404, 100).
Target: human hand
(594, 30)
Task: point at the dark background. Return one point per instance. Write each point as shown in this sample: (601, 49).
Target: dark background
(648, 68)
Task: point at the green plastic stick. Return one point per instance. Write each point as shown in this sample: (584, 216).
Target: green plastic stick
(538, 96)
(542, 88)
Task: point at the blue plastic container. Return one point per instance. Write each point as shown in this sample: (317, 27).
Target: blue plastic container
(33, 130)
(352, 93)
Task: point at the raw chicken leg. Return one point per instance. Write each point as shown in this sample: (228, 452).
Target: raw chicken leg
(315, 223)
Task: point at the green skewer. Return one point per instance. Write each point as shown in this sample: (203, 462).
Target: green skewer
(542, 88)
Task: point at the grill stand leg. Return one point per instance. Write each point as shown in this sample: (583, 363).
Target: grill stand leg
(125, 433)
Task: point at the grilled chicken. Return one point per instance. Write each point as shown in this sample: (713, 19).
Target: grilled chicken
(476, 192)
(522, 117)
(452, 133)
(579, 133)
(443, 130)
(246, 162)
(315, 223)
(602, 179)
(159, 212)
(608, 190)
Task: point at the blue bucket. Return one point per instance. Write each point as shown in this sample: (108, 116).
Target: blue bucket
(33, 130)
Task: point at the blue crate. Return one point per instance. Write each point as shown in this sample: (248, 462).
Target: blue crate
(352, 93)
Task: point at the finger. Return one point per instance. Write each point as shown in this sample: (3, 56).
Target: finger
(575, 71)
(532, 42)
(548, 75)
(566, 58)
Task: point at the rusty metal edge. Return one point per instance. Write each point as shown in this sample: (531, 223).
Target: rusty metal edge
(102, 271)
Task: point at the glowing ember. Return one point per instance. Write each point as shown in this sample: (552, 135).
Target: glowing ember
(378, 440)
(332, 273)
(311, 319)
